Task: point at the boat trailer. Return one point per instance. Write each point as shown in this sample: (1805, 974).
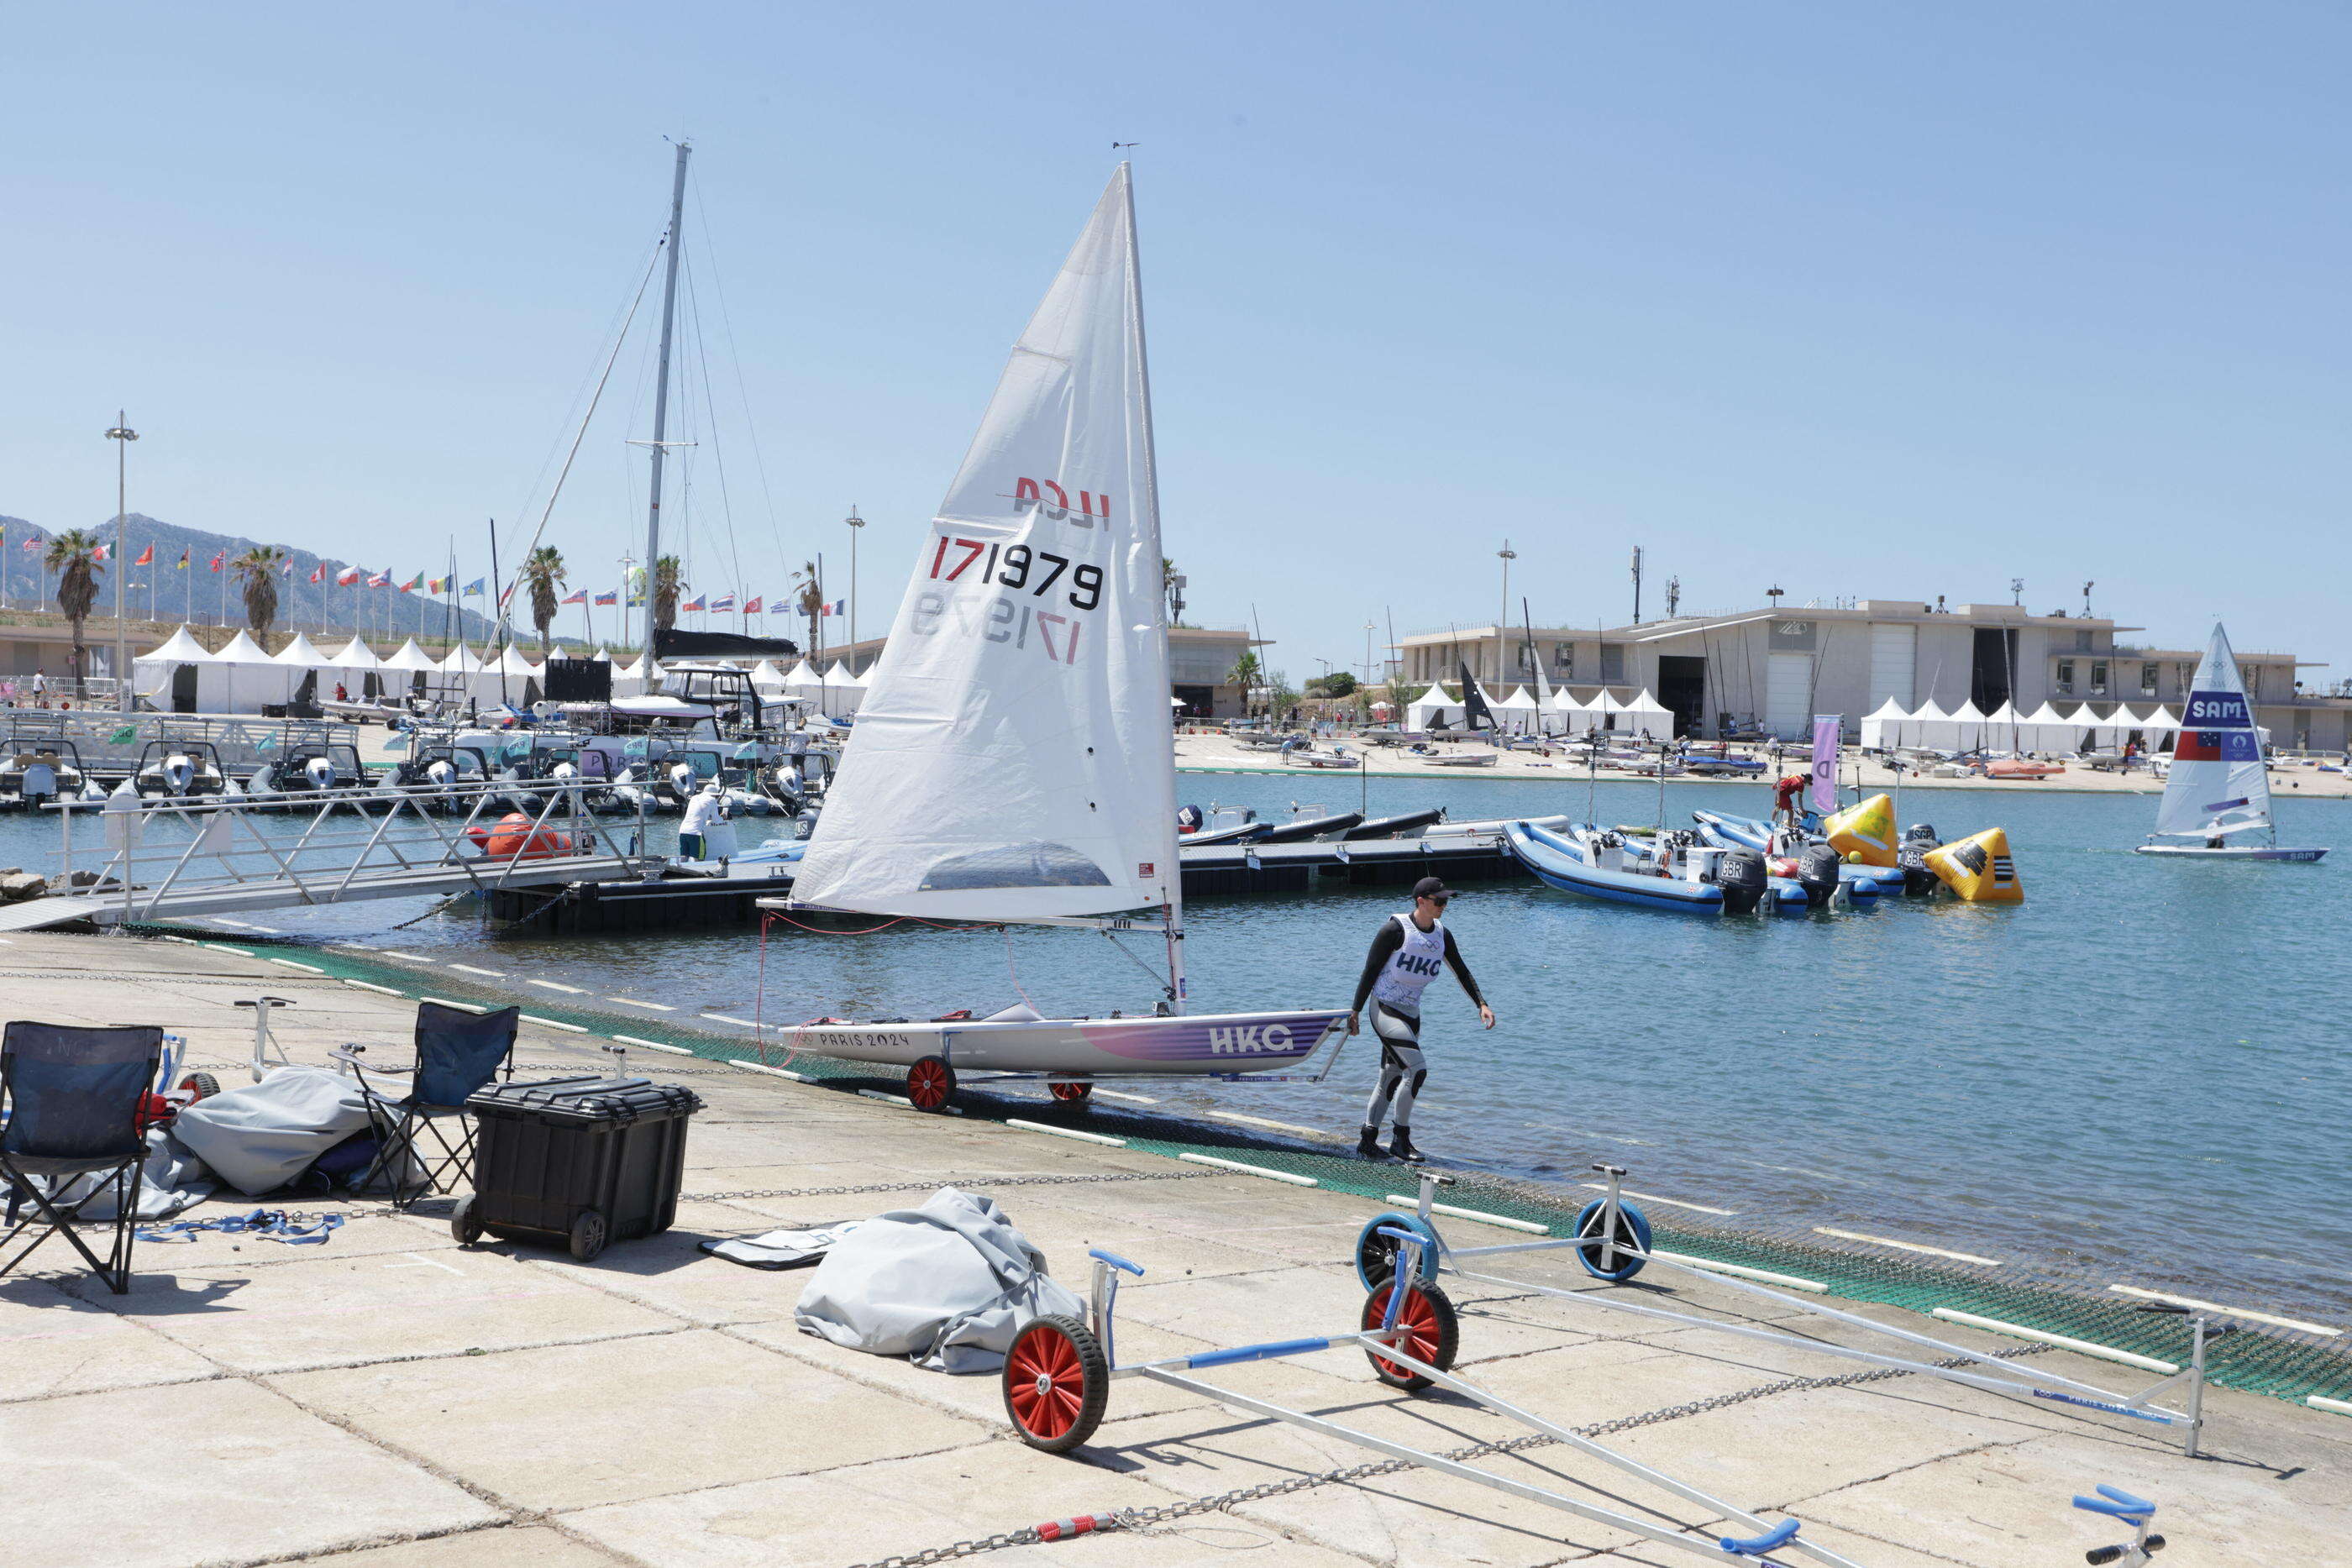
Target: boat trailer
(1058, 1374)
(1612, 1241)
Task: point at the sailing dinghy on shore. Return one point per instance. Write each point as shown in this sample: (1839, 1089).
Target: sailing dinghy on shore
(2218, 785)
(1014, 759)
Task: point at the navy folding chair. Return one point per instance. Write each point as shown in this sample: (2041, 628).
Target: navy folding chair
(457, 1053)
(73, 1099)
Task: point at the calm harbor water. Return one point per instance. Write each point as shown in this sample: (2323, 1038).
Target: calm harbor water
(2142, 1071)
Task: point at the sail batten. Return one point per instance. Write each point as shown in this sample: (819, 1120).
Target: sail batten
(2217, 784)
(1012, 758)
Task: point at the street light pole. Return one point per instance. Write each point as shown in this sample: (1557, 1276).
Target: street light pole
(122, 435)
(856, 523)
(1508, 555)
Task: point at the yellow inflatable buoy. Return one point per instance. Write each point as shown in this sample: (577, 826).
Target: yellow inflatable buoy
(1864, 832)
(1978, 868)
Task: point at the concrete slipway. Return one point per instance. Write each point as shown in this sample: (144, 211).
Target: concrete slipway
(390, 1400)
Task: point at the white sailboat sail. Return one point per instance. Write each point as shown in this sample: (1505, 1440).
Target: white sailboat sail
(1012, 757)
(2218, 784)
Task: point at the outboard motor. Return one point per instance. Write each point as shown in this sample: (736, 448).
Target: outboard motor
(179, 773)
(682, 781)
(1189, 819)
(1817, 873)
(1741, 874)
(319, 773)
(805, 823)
(1919, 879)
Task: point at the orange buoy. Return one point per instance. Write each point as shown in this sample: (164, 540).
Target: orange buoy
(512, 839)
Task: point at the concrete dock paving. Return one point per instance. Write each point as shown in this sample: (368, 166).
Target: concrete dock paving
(392, 1400)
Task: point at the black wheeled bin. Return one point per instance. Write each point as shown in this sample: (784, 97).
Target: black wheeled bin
(576, 1162)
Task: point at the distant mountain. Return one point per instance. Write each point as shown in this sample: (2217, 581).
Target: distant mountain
(195, 594)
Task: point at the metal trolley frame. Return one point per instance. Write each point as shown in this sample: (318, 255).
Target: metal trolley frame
(1057, 1374)
(1612, 1244)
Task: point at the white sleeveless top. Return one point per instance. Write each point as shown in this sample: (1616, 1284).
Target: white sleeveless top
(1411, 966)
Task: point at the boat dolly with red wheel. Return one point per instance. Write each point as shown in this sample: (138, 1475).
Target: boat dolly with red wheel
(1612, 1244)
(1058, 1374)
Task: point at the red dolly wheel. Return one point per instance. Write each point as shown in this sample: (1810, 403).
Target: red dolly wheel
(1056, 1383)
(930, 1083)
(1433, 1332)
(1071, 1093)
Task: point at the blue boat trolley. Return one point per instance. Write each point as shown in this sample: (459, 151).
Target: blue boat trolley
(1058, 1374)
(1613, 1243)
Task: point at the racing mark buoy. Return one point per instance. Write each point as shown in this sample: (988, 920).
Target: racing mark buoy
(1978, 868)
(1864, 832)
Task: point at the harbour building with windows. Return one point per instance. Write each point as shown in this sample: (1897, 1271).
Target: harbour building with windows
(1772, 668)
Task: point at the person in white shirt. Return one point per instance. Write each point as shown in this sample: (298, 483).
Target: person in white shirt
(702, 813)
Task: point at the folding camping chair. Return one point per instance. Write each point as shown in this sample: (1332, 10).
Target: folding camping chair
(74, 1099)
(457, 1053)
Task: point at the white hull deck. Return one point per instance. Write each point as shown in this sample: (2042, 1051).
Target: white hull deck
(2227, 852)
(1199, 1045)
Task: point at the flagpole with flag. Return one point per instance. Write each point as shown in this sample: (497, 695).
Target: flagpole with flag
(188, 596)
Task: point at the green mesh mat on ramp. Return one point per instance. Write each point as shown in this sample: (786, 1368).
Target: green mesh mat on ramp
(2283, 1362)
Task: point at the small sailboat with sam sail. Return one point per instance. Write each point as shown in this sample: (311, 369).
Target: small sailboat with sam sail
(1014, 759)
(2219, 786)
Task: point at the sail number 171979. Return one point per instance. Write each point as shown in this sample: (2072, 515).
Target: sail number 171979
(1028, 575)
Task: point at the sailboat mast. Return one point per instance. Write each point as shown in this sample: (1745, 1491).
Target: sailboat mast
(1165, 720)
(661, 374)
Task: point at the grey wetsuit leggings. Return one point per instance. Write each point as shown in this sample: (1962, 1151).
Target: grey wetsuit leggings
(1402, 1068)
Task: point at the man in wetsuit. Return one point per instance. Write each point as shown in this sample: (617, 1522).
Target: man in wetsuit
(1404, 958)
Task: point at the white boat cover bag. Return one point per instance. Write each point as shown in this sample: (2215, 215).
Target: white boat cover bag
(259, 1136)
(947, 1285)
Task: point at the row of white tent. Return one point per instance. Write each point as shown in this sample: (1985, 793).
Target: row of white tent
(1968, 728)
(1522, 714)
(242, 676)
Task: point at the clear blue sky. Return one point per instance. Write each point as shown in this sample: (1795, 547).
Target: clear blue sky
(1854, 299)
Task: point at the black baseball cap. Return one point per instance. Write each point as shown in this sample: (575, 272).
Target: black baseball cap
(1430, 887)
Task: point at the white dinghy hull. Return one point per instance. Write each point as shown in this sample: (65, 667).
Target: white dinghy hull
(1193, 1045)
(2226, 852)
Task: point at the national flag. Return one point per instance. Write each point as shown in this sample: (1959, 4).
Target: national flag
(694, 603)
(99, 554)
(379, 580)
(838, 607)
(412, 584)
(439, 585)
(220, 560)
(185, 556)
(611, 597)
(752, 607)
(348, 576)
(318, 572)
(506, 593)
(473, 589)
(285, 568)
(146, 556)
(579, 598)
(33, 542)
(724, 601)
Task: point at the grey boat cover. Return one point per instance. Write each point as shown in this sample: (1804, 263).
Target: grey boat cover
(259, 1136)
(172, 1180)
(947, 1285)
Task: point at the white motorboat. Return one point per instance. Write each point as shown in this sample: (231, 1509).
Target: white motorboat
(2218, 786)
(1012, 760)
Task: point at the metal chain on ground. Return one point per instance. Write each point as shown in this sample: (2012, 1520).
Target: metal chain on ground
(1142, 1519)
(983, 1181)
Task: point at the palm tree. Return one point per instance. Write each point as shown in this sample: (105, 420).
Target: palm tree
(1168, 575)
(670, 581)
(809, 598)
(73, 556)
(256, 570)
(543, 571)
(1245, 673)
